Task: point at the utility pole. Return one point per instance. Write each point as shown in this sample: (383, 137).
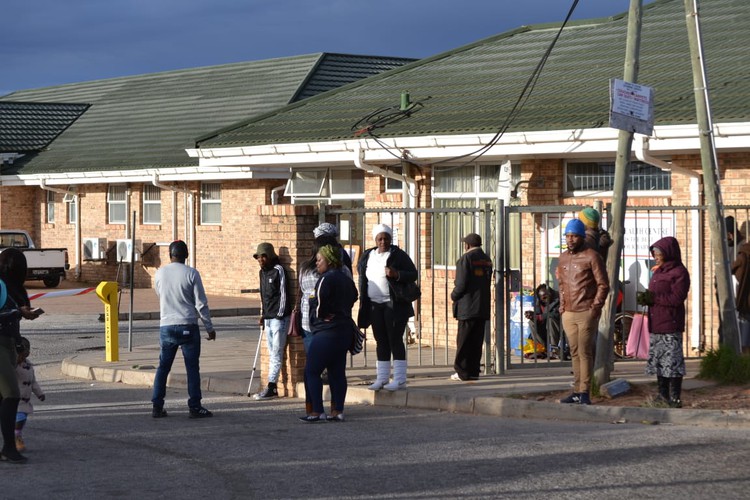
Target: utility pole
(604, 344)
(711, 188)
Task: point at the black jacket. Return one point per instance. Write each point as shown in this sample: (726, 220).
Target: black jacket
(274, 292)
(331, 306)
(471, 290)
(398, 260)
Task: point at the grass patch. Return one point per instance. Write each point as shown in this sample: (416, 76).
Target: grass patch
(725, 366)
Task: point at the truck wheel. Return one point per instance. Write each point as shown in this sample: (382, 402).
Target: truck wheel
(51, 281)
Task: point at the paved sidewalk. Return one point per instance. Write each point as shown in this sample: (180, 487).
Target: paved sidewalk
(226, 366)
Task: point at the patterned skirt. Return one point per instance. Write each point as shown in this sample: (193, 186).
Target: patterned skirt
(665, 358)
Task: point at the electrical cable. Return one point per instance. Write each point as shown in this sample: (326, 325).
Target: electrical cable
(393, 117)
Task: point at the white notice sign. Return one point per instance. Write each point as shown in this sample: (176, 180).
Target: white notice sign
(631, 107)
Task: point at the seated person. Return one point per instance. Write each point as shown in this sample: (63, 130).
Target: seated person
(545, 327)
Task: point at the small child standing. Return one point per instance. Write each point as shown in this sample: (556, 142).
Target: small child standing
(28, 384)
(276, 307)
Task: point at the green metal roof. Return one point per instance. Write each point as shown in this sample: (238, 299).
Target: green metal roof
(148, 121)
(27, 127)
(473, 88)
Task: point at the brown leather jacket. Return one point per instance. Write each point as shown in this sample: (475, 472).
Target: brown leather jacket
(583, 280)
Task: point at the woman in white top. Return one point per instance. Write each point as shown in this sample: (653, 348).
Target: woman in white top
(381, 268)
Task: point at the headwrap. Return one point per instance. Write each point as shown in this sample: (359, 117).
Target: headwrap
(331, 254)
(381, 228)
(325, 229)
(590, 217)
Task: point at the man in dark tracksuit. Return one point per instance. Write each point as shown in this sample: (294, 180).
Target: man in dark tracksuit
(471, 306)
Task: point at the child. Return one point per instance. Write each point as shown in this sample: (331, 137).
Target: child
(28, 384)
(276, 306)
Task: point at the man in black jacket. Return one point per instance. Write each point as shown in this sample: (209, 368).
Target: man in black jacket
(471, 306)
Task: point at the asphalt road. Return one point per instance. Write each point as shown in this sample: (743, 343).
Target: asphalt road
(99, 440)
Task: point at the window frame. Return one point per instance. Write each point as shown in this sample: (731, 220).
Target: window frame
(608, 163)
(50, 208)
(115, 191)
(147, 203)
(210, 202)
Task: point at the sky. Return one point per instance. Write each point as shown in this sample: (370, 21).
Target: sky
(52, 42)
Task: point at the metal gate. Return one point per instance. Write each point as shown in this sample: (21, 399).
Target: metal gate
(525, 243)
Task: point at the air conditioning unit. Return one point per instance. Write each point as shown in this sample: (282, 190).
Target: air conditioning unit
(125, 250)
(94, 248)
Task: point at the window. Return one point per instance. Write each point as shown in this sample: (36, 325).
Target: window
(467, 196)
(211, 203)
(71, 200)
(393, 185)
(116, 205)
(307, 186)
(599, 176)
(151, 204)
(50, 207)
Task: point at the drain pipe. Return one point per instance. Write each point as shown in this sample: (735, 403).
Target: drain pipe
(190, 215)
(275, 194)
(78, 256)
(640, 145)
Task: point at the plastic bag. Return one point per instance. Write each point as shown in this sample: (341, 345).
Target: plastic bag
(638, 337)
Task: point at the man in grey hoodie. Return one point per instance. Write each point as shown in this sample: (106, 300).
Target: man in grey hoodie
(182, 300)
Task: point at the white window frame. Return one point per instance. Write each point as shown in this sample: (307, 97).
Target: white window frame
(475, 198)
(210, 188)
(151, 196)
(50, 207)
(324, 191)
(608, 193)
(71, 200)
(117, 196)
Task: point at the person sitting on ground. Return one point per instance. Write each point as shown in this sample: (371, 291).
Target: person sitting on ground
(545, 320)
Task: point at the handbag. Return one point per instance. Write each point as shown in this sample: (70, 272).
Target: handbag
(638, 337)
(404, 291)
(295, 324)
(358, 340)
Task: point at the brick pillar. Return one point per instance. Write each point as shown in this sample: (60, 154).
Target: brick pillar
(289, 228)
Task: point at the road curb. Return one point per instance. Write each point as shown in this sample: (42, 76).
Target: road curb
(497, 406)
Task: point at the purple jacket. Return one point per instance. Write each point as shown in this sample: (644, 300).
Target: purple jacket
(669, 285)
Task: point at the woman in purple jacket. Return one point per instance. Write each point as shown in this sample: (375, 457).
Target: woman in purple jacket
(666, 295)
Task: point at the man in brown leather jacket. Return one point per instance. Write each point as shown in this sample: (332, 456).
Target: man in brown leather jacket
(583, 289)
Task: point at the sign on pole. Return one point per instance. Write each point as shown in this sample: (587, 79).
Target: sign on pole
(631, 107)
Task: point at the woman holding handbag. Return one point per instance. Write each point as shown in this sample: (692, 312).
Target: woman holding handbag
(387, 285)
(665, 298)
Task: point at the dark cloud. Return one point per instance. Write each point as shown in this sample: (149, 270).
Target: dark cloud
(50, 42)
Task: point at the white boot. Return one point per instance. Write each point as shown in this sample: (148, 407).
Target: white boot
(383, 373)
(399, 376)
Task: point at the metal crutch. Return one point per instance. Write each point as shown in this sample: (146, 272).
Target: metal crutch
(255, 362)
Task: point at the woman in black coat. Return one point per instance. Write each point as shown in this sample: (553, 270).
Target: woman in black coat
(14, 305)
(384, 269)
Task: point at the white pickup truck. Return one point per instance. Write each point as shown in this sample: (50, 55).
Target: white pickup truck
(45, 264)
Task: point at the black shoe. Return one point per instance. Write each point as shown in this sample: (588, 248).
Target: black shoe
(12, 456)
(158, 412)
(583, 399)
(675, 403)
(335, 418)
(574, 398)
(269, 392)
(200, 413)
(312, 419)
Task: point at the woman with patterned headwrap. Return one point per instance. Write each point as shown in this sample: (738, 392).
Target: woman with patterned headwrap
(331, 323)
(378, 268)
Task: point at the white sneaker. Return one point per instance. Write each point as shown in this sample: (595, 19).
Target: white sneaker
(456, 377)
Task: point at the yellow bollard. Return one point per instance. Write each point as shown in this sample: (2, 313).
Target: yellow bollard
(107, 292)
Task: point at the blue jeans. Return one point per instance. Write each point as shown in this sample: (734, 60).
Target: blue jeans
(188, 338)
(328, 350)
(307, 339)
(276, 331)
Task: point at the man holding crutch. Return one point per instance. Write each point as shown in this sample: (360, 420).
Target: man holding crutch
(182, 300)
